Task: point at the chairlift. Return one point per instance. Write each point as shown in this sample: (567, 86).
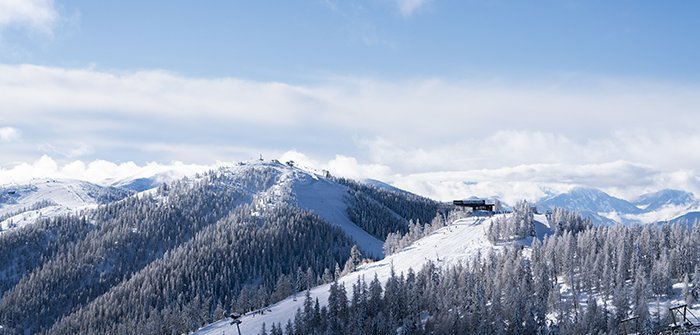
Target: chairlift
(682, 320)
(236, 320)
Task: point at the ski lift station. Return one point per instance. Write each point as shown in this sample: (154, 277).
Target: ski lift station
(479, 204)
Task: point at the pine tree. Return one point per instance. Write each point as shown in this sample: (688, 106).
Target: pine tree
(620, 302)
(283, 289)
(337, 308)
(354, 260)
(289, 329)
(640, 302)
(337, 273)
(327, 276)
(686, 292)
(274, 330)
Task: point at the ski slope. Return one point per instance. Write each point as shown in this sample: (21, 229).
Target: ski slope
(458, 242)
(327, 200)
(310, 191)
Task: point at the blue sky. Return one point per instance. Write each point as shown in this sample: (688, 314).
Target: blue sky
(300, 41)
(601, 93)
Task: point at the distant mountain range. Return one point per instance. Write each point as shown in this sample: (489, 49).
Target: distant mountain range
(25, 203)
(589, 199)
(658, 200)
(602, 208)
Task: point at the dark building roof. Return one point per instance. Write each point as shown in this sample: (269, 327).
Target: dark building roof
(470, 202)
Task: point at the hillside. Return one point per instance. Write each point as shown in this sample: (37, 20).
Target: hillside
(288, 224)
(459, 242)
(246, 237)
(451, 283)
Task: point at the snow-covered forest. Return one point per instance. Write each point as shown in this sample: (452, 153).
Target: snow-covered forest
(174, 258)
(185, 254)
(574, 282)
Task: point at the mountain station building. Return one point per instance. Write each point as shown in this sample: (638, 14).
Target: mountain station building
(478, 204)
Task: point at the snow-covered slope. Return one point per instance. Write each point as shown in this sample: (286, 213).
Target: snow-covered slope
(688, 218)
(277, 184)
(458, 242)
(143, 182)
(313, 192)
(664, 198)
(588, 199)
(602, 208)
(265, 183)
(327, 200)
(25, 203)
(381, 184)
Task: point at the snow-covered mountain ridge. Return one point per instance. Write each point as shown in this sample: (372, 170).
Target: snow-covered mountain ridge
(284, 184)
(602, 208)
(657, 200)
(21, 204)
(263, 184)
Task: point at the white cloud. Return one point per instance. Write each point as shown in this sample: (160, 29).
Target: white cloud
(351, 168)
(532, 182)
(300, 159)
(156, 93)
(37, 15)
(340, 165)
(526, 181)
(98, 171)
(661, 149)
(409, 7)
(9, 134)
(544, 130)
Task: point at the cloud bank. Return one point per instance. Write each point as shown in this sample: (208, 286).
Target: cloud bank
(98, 171)
(606, 132)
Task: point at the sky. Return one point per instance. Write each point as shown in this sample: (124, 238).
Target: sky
(445, 98)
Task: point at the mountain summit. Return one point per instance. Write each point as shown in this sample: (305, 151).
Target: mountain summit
(668, 197)
(584, 199)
